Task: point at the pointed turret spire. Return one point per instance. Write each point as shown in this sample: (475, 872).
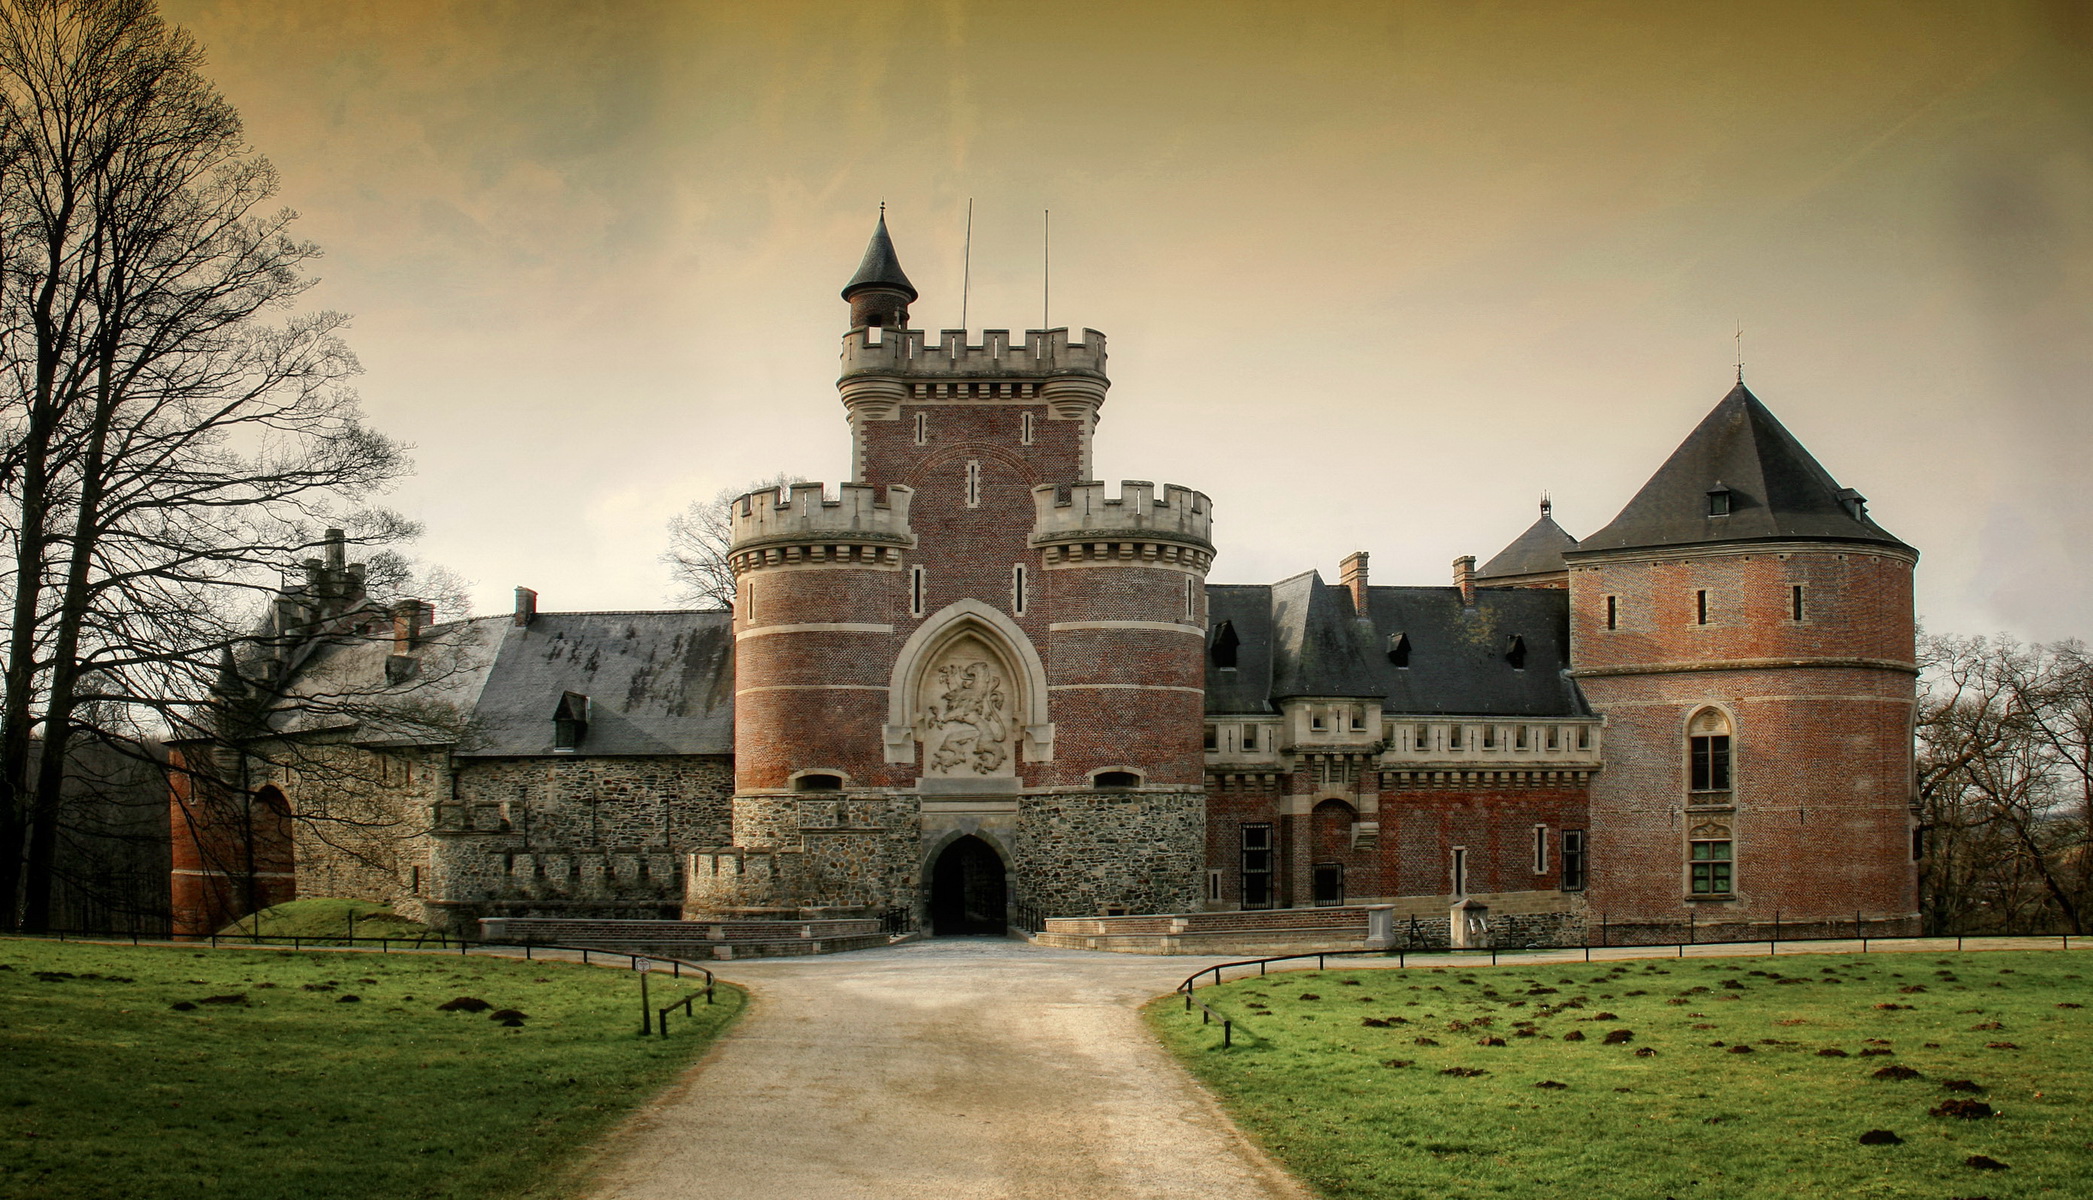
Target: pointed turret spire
(1739, 476)
(880, 292)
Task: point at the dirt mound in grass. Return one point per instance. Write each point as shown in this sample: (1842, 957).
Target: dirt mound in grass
(1896, 1071)
(1967, 1110)
(1962, 1085)
(1983, 1162)
(471, 1004)
(1880, 1137)
(1618, 1037)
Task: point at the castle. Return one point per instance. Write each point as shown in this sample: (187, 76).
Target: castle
(972, 682)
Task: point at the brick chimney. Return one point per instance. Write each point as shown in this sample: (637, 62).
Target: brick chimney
(1352, 573)
(1464, 578)
(526, 607)
(408, 619)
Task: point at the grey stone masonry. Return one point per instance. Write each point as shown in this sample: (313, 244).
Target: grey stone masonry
(574, 837)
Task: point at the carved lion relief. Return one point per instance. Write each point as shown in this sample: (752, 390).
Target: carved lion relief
(964, 713)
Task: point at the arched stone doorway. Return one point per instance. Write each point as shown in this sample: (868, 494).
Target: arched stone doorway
(968, 891)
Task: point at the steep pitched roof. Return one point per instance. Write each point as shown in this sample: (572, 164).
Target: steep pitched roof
(656, 682)
(1776, 490)
(1538, 551)
(1299, 637)
(881, 267)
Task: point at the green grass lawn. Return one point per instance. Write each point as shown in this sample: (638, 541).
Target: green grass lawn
(1429, 1083)
(332, 1075)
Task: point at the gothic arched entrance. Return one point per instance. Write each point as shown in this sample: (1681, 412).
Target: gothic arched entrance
(968, 893)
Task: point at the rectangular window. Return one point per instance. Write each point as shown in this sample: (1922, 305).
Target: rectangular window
(1711, 763)
(1700, 608)
(1257, 866)
(1424, 738)
(1213, 887)
(1213, 738)
(1017, 589)
(922, 428)
(1489, 737)
(1315, 723)
(973, 483)
(1249, 737)
(1540, 849)
(1711, 868)
(1460, 870)
(1453, 737)
(1795, 602)
(1358, 722)
(1573, 860)
(1613, 612)
(1521, 743)
(417, 884)
(1918, 844)
(916, 582)
(1190, 615)
(1024, 438)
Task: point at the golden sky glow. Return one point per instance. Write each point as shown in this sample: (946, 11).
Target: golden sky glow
(1374, 275)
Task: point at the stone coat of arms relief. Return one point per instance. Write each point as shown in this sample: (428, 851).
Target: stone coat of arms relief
(964, 716)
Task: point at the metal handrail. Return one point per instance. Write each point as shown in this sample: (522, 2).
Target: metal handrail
(676, 965)
(1401, 955)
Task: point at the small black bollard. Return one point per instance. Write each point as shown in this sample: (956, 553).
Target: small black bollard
(1227, 1034)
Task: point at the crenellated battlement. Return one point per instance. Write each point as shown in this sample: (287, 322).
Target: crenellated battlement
(1083, 523)
(1041, 354)
(802, 524)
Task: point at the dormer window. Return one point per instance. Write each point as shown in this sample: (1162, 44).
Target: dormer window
(1718, 501)
(1855, 504)
(570, 722)
(1399, 650)
(1515, 652)
(1225, 642)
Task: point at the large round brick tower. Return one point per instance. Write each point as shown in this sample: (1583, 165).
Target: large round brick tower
(974, 681)
(1746, 631)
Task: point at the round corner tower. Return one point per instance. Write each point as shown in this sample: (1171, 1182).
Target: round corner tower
(972, 682)
(1747, 632)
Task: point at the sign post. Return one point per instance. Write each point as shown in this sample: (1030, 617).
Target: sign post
(643, 966)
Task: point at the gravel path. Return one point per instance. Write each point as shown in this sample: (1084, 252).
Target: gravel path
(952, 1068)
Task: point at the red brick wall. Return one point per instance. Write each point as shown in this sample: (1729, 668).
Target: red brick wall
(1819, 814)
(232, 854)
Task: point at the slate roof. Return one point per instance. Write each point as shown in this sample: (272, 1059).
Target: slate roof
(1538, 551)
(1777, 490)
(1299, 637)
(881, 267)
(657, 683)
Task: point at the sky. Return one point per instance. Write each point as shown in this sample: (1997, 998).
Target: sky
(1375, 276)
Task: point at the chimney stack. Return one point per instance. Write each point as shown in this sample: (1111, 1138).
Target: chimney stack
(408, 617)
(337, 549)
(526, 607)
(1352, 573)
(1464, 578)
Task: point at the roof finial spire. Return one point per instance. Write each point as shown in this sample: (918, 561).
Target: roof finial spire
(1740, 351)
(1547, 505)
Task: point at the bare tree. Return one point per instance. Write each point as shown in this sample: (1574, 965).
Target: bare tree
(176, 434)
(698, 541)
(2006, 800)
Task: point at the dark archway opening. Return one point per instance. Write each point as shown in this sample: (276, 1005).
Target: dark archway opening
(967, 889)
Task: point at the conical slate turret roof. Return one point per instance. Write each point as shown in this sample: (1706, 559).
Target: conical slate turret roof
(1774, 489)
(1538, 551)
(880, 268)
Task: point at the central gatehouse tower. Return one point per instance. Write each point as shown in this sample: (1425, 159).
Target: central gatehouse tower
(971, 681)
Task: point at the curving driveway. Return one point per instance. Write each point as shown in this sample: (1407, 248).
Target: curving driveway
(951, 1068)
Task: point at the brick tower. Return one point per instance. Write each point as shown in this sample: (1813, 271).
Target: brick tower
(1747, 632)
(974, 680)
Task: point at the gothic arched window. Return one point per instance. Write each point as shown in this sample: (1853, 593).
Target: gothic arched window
(1708, 751)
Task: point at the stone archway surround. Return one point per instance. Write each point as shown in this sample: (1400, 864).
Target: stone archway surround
(927, 650)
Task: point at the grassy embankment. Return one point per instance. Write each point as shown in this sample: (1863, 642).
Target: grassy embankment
(328, 1075)
(323, 918)
(1742, 1077)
